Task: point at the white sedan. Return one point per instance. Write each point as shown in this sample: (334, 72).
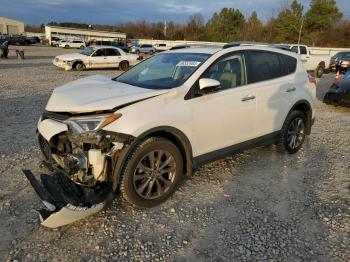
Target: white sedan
(94, 57)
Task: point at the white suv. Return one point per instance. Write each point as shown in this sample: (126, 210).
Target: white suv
(141, 131)
(73, 44)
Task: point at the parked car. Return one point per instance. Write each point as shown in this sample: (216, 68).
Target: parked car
(312, 62)
(34, 39)
(18, 40)
(55, 41)
(141, 131)
(333, 63)
(161, 47)
(343, 63)
(145, 48)
(74, 44)
(339, 92)
(180, 47)
(93, 57)
(62, 43)
(120, 45)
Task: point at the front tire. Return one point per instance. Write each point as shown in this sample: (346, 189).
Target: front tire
(66, 46)
(80, 67)
(151, 173)
(293, 132)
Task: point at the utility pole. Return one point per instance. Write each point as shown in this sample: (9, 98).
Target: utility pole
(165, 28)
(301, 28)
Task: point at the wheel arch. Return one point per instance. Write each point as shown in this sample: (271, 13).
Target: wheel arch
(77, 62)
(171, 133)
(304, 107)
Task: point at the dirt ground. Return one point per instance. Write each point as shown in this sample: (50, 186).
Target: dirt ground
(256, 205)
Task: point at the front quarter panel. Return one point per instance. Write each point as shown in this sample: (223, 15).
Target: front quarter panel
(164, 110)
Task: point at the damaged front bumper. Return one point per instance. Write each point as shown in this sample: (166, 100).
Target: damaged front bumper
(65, 201)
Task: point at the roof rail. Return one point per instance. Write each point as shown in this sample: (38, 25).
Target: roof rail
(244, 43)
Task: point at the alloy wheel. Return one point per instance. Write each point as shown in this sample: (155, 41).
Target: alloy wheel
(296, 133)
(154, 174)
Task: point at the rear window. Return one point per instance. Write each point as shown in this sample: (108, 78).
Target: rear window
(303, 50)
(263, 65)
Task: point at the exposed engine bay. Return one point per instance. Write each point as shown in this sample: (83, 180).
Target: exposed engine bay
(80, 181)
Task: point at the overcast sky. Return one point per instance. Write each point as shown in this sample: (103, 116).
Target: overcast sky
(116, 11)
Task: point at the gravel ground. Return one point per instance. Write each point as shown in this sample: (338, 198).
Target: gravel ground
(256, 205)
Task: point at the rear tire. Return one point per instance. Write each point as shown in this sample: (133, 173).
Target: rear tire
(66, 46)
(124, 65)
(151, 172)
(82, 47)
(293, 132)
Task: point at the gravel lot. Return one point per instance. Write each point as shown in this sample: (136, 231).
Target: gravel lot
(257, 205)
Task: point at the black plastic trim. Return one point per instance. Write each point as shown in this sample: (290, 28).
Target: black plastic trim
(227, 151)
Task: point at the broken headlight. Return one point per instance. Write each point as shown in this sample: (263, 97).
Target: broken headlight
(91, 123)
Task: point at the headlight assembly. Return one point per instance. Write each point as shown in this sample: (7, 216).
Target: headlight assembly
(90, 123)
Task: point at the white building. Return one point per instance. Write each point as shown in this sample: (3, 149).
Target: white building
(10, 26)
(83, 34)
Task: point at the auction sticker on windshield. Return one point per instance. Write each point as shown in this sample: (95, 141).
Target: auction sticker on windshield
(189, 63)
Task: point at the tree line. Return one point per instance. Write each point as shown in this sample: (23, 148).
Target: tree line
(320, 25)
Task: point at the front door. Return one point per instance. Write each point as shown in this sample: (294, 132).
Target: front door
(227, 116)
(98, 59)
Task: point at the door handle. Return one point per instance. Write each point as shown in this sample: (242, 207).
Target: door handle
(291, 89)
(247, 98)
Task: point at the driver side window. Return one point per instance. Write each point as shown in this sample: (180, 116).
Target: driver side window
(230, 71)
(99, 52)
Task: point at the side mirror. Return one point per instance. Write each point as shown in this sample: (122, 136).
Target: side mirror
(208, 84)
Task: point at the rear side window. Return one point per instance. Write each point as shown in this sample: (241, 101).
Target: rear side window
(288, 64)
(111, 52)
(263, 65)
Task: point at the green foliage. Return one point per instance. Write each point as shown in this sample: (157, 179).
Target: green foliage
(287, 25)
(225, 26)
(252, 29)
(322, 15)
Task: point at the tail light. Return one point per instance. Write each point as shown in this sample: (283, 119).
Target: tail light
(312, 80)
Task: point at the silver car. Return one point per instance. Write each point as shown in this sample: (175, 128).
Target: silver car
(144, 48)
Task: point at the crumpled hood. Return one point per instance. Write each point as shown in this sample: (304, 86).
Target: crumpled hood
(96, 93)
(71, 57)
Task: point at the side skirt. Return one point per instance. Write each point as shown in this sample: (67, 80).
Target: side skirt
(227, 151)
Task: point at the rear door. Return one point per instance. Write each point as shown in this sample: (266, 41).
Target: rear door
(113, 57)
(274, 83)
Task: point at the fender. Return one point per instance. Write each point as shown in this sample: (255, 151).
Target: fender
(308, 113)
(163, 131)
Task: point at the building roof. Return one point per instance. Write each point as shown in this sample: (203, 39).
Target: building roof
(10, 19)
(82, 29)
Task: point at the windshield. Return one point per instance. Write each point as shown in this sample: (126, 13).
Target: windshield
(163, 71)
(87, 51)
